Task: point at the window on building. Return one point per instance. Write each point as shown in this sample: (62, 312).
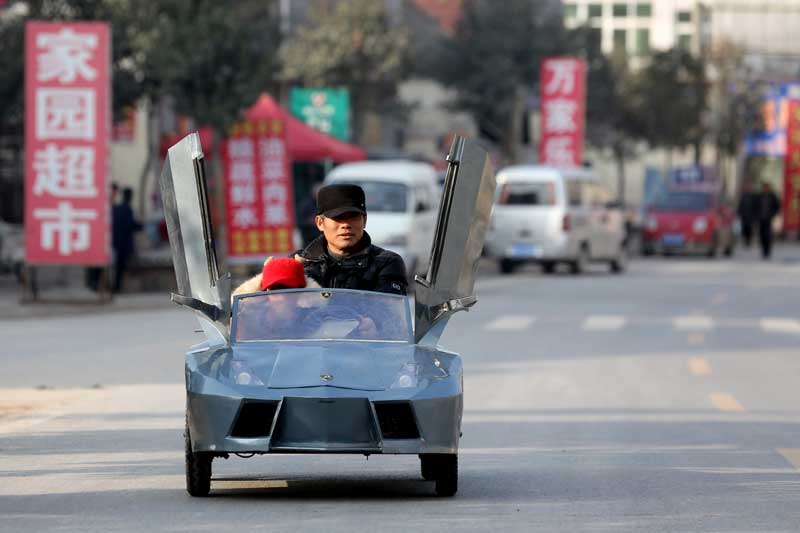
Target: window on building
(642, 42)
(595, 11)
(570, 10)
(620, 41)
(684, 16)
(644, 10)
(685, 41)
(620, 10)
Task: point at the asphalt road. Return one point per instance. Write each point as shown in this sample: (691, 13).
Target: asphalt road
(664, 399)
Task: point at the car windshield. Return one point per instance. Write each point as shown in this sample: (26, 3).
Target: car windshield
(522, 193)
(319, 314)
(384, 196)
(682, 201)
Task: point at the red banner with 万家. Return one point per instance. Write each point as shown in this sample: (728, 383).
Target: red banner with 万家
(563, 105)
(791, 176)
(259, 195)
(67, 127)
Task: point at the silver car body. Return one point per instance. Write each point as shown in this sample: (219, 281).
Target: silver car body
(560, 214)
(332, 394)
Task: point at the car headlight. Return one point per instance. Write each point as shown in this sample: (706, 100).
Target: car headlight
(396, 240)
(700, 225)
(241, 374)
(651, 223)
(406, 378)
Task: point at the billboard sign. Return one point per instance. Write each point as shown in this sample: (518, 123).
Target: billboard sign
(772, 140)
(325, 110)
(67, 127)
(563, 115)
(259, 195)
(791, 177)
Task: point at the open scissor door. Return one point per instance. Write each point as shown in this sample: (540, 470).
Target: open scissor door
(191, 236)
(464, 215)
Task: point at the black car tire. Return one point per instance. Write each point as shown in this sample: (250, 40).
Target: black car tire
(507, 266)
(443, 469)
(581, 262)
(619, 263)
(198, 468)
(548, 267)
(427, 467)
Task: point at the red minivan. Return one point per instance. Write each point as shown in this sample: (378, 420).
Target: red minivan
(694, 221)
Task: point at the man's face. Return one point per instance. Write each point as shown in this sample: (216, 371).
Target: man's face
(342, 232)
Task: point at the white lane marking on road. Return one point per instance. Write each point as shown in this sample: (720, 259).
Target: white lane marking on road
(510, 323)
(792, 455)
(604, 323)
(699, 366)
(780, 325)
(693, 322)
(725, 402)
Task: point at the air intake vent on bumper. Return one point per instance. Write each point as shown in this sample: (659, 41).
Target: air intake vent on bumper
(396, 420)
(254, 419)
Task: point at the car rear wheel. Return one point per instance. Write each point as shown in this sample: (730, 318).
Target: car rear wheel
(443, 469)
(578, 266)
(198, 468)
(620, 263)
(507, 266)
(427, 467)
(714, 248)
(548, 267)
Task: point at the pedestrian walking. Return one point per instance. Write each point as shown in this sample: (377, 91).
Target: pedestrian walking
(124, 225)
(746, 212)
(766, 207)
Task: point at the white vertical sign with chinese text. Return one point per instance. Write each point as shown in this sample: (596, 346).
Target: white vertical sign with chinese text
(67, 125)
(563, 101)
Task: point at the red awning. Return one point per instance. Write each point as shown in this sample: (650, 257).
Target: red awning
(303, 142)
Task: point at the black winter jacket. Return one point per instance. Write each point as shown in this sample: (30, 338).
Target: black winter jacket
(371, 269)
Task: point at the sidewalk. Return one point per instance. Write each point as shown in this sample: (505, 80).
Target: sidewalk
(68, 301)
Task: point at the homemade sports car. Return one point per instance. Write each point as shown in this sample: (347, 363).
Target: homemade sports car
(290, 371)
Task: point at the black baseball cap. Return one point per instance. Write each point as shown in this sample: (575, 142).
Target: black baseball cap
(335, 200)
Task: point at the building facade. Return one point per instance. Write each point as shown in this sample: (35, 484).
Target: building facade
(637, 27)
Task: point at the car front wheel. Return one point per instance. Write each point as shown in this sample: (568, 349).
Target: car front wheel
(198, 468)
(443, 469)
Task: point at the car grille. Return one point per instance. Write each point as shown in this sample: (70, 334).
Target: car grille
(254, 419)
(396, 420)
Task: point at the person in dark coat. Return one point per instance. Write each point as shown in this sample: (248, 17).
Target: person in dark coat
(746, 213)
(766, 207)
(124, 225)
(343, 256)
(93, 273)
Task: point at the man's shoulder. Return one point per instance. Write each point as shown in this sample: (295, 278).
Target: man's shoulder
(383, 254)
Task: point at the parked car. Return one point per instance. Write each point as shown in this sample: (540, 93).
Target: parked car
(402, 198)
(694, 220)
(550, 216)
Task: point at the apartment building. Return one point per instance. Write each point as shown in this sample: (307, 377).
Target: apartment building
(637, 27)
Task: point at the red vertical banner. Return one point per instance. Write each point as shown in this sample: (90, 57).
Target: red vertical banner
(259, 195)
(791, 175)
(67, 128)
(563, 115)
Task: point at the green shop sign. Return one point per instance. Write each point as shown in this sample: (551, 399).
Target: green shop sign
(325, 110)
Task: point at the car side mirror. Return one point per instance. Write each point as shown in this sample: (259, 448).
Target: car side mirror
(421, 208)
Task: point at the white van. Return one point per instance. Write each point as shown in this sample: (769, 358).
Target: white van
(550, 216)
(402, 203)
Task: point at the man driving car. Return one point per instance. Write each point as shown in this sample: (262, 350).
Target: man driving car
(343, 256)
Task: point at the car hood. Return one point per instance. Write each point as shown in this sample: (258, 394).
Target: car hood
(369, 366)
